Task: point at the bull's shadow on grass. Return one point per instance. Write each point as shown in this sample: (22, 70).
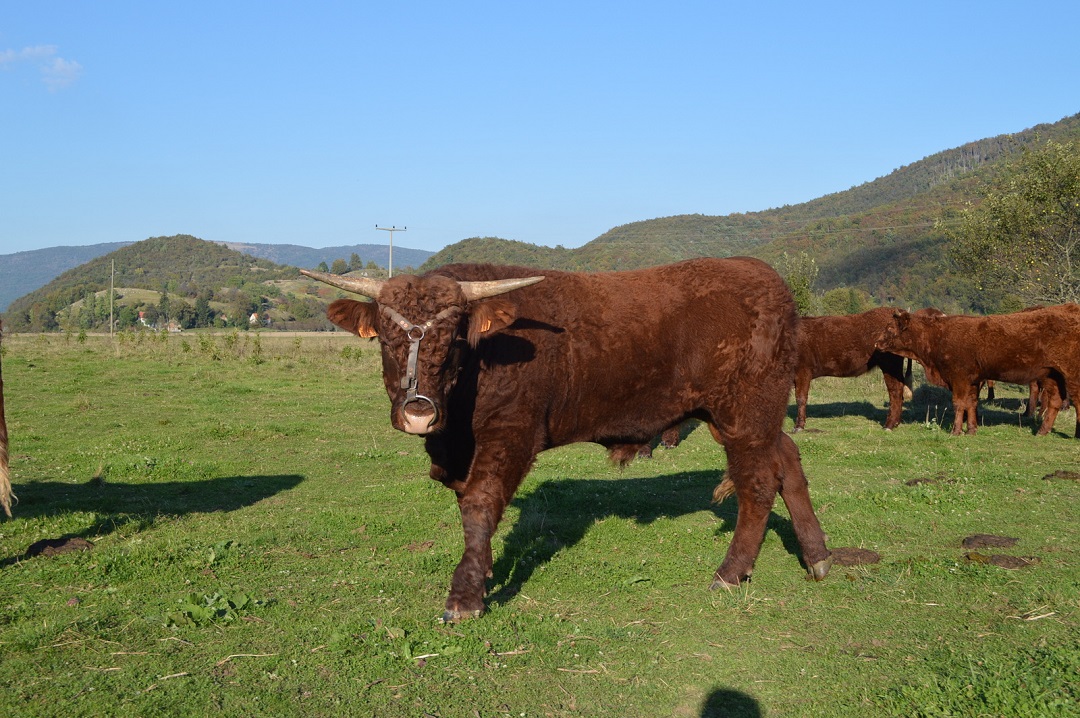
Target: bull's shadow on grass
(120, 506)
(558, 514)
(730, 703)
(837, 409)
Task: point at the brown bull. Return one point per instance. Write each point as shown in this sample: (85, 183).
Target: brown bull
(492, 369)
(961, 352)
(5, 473)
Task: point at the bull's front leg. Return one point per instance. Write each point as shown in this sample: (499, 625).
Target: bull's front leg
(493, 479)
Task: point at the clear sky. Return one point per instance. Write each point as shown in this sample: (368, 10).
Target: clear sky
(546, 122)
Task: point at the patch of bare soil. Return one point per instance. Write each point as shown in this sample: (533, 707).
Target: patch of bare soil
(988, 540)
(57, 546)
(1062, 474)
(851, 556)
(1002, 561)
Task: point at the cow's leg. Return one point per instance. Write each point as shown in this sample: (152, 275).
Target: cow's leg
(754, 473)
(802, 394)
(965, 402)
(896, 382)
(1033, 399)
(671, 437)
(493, 479)
(1050, 399)
(895, 386)
(795, 492)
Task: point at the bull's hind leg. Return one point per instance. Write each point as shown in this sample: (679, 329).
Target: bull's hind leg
(1050, 399)
(754, 472)
(795, 492)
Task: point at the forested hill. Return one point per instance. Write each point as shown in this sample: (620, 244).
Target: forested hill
(23, 272)
(181, 264)
(879, 236)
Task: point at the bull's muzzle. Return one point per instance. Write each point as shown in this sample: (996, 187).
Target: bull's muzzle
(419, 415)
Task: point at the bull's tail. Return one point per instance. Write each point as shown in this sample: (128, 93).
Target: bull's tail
(908, 382)
(723, 490)
(5, 474)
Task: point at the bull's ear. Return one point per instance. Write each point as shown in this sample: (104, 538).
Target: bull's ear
(488, 317)
(353, 316)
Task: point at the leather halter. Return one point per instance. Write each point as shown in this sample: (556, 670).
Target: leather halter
(415, 332)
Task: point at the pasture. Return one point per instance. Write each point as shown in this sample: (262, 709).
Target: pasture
(249, 536)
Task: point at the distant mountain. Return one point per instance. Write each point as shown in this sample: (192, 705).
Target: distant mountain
(880, 236)
(296, 255)
(23, 272)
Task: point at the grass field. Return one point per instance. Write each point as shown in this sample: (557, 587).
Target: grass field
(254, 539)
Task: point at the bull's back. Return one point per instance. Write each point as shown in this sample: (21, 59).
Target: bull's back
(625, 354)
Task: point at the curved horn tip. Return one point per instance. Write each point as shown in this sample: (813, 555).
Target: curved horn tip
(481, 290)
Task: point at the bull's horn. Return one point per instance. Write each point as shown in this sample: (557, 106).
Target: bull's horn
(479, 290)
(359, 285)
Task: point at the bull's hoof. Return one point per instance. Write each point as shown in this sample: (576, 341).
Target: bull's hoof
(450, 616)
(820, 570)
(721, 583)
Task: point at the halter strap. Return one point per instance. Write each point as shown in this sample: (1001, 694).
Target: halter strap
(415, 332)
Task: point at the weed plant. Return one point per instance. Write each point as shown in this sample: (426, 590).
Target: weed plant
(257, 540)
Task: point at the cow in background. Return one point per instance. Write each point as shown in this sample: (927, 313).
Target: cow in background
(843, 346)
(961, 352)
(492, 365)
(5, 472)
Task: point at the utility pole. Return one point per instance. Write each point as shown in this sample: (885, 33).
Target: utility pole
(391, 230)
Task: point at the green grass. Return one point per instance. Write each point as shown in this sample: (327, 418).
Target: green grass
(265, 544)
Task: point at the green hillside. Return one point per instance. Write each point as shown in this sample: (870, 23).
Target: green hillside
(880, 236)
(179, 281)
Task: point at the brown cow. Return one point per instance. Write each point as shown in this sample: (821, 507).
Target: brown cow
(5, 473)
(844, 346)
(961, 352)
(492, 367)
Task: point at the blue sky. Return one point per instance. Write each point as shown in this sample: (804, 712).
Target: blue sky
(309, 123)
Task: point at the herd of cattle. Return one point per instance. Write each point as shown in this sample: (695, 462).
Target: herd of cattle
(492, 365)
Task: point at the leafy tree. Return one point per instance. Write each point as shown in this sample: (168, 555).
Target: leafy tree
(339, 267)
(150, 314)
(204, 314)
(800, 272)
(127, 317)
(846, 300)
(164, 308)
(354, 262)
(1024, 238)
(322, 267)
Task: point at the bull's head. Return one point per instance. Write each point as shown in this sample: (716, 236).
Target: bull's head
(893, 337)
(421, 322)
